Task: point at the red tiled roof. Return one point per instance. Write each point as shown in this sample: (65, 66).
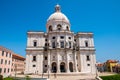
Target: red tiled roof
(112, 61)
(100, 64)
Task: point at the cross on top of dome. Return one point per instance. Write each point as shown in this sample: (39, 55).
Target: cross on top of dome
(57, 8)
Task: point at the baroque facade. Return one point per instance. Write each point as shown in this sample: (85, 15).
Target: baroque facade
(59, 50)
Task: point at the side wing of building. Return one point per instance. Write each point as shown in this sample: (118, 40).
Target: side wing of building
(34, 52)
(86, 52)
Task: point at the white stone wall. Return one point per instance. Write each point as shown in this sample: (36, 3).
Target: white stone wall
(84, 38)
(38, 63)
(86, 66)
(35, 37)
(80, 63)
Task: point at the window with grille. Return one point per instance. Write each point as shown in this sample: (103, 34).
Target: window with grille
(53, 44)
(62, 44)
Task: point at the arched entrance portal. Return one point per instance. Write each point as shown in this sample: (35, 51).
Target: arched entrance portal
(54, 67)
(62, 67)
(71, 66)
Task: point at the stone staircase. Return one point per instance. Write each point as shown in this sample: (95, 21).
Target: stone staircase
(64, 76)
(69, 76)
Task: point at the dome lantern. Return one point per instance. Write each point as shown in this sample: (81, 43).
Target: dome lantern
(58, 15)
(57, 8)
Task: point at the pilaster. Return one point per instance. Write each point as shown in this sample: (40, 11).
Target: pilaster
(49, 65)
(67, 63)
(75, 62)
(41, 62)
(38, 65)
(58, 63)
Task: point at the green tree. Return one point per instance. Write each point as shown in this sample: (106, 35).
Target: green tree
(27, 77)
(1, 77)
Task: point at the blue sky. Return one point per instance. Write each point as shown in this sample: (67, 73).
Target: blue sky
(102, 17)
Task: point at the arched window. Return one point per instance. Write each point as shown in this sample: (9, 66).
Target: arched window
(59, 27)
(50, 28)
(67, 28)
(34, 43)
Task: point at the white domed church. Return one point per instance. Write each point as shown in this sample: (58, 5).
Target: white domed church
(59, 50)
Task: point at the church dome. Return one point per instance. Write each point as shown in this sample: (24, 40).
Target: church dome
(58, 15)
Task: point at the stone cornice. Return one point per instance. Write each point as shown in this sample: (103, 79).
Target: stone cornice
(84, 34)
(34, 49)
(59, 32)
(50, 21)
(83, 49)
(35, 32)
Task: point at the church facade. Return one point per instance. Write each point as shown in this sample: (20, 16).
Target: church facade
(59, 50)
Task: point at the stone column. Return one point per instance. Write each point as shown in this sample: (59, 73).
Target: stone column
(27, 63)
(30, 64)
(37, 65)
(49, 65)
(58, 63)
(82, 61)
(67, 62)
(41, 62)
(75, 62)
